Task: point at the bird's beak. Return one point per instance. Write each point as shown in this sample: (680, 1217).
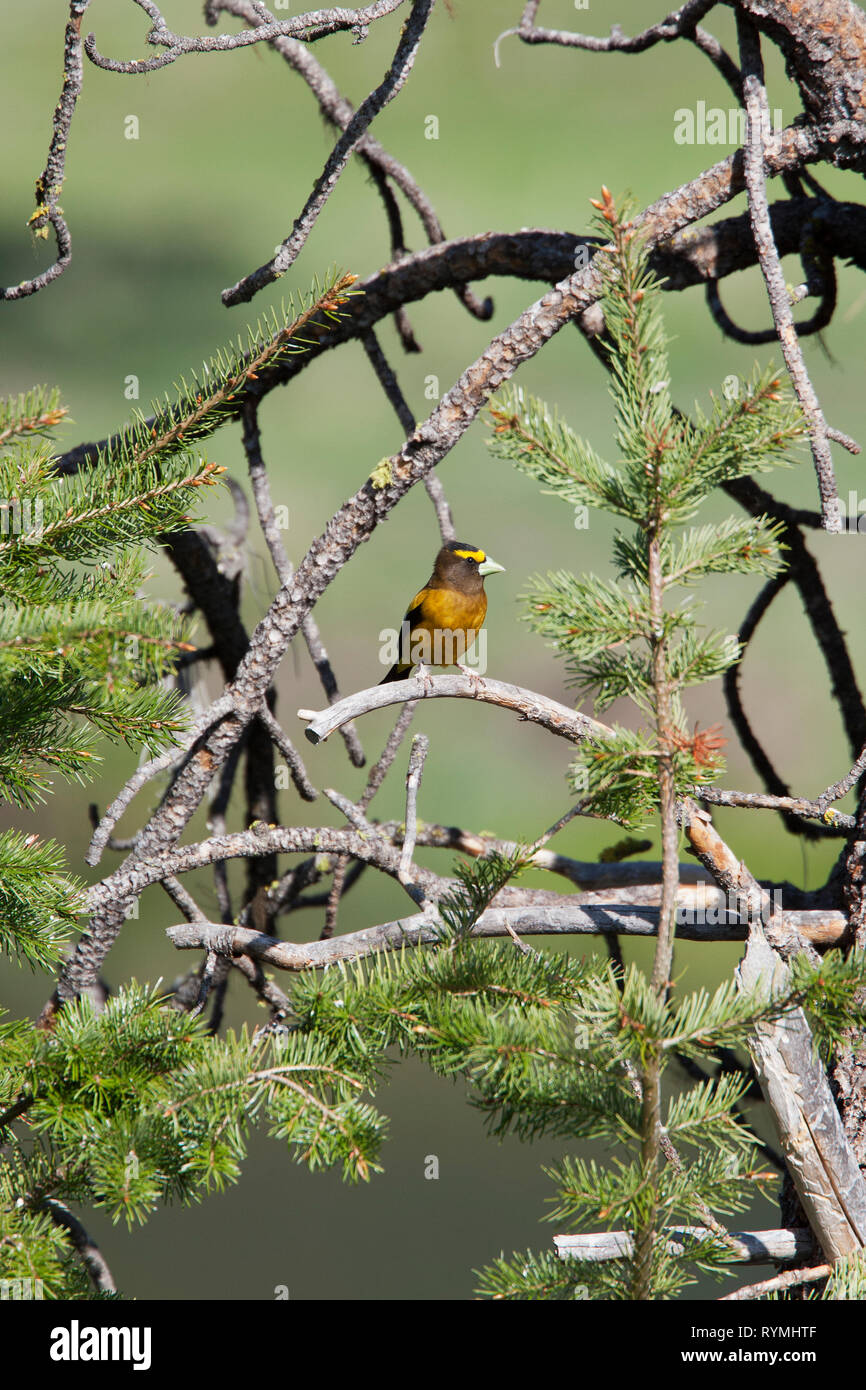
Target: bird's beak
(489, 566)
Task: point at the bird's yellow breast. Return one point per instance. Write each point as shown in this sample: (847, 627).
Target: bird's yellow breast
(448, 610)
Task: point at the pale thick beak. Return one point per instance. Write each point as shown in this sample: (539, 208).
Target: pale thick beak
(489, 566)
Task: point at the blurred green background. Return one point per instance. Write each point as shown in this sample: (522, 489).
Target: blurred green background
(228, 148)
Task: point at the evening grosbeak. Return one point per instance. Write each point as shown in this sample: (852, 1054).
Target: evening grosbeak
(443, 618)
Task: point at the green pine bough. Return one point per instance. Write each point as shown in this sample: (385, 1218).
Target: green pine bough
(680, 1156)
(128, 1107)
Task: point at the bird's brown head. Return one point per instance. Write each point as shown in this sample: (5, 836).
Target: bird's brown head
(460, 565)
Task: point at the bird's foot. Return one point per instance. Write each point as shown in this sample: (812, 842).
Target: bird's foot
(424, 676)
(477, 682)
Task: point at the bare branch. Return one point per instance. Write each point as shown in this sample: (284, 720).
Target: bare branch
(276, 999)
(789, 1280)
(819, 320)
(757, 138)
(844, 784)
(297, 771)
(182, 899)
(315, 24)
(815, 810)
(567, 919)
(756, 1247)
(173, 757)
(50, 181)
(682, 261)
(586, 874)
(374, 781)
(794, 1082)
(673, 27)
(283, 566)
(390, 386)
(417, 757)
(528, 704)
(383, 166)
(91, 1256)
(803, 571)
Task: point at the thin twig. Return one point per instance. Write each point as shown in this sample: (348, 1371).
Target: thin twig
(417, 758)
(789, 1280)
(716, 796)
(382, 165)
(276, 999)
(390, 386)
(819, 320)
(50, 181)
(282, 564)
(297, 771)
(173, 757)
(844, 784)
(315, 24)
(374, 781)
(757, 130)
(182, 899)
(673, 27)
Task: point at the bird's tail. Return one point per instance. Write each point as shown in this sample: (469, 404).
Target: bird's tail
(398, 672)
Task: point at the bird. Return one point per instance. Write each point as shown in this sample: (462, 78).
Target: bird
(444, 616)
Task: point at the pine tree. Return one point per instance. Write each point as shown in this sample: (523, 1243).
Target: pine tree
(135, 1104)
(131, 1105)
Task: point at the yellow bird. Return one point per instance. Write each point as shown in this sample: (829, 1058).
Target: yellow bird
(444, 617)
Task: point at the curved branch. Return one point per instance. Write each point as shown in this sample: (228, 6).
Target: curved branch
(172, 758)
(803, 571)
(757, 128)
(829, 75)
(567, 920)
(91, 1256)
(315, 24)
(50, 181)
(675, 26)
(753, 337)
(527, 704)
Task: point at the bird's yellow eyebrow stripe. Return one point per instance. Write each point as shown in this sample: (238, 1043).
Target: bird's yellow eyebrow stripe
(471, 555)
